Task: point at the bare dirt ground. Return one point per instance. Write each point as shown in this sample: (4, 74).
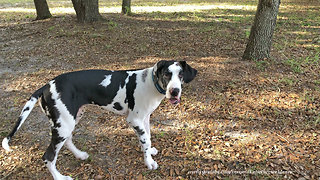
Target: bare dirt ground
(237, 119)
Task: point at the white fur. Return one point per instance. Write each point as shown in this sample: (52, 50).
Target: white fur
(77, 153)
(5, 144)
(106, 81)
(175, 80)
(55, 173)
(66, 119)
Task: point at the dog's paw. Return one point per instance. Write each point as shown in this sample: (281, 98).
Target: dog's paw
(151, 164)
(67, 178)
(82, 155)
(153, 151)
(61, 177)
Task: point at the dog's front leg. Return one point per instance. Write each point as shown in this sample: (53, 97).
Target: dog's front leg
(144, 137)
(153, 150)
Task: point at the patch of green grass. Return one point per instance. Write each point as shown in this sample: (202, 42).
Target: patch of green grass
(294, 64)
(300, 65)
(317, 120)
(112, 25)
(4, 133)
(316, 81)
(108, 46)
(170, 52)
(247, 33)
(51, 28)
(189, 136)
(161, 134)
(96, 35)
(287, 81)
(30, 16)
(307, 96)
(262, 64)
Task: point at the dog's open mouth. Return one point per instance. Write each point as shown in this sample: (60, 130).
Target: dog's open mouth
(174, 100)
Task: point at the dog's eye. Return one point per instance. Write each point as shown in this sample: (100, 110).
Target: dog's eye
(180, 75)
(167, 74)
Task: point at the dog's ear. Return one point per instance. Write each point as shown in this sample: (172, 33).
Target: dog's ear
(160, 64)
(189, 73)
(157, 67)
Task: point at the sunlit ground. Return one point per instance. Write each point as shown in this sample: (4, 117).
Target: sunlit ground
(261, 115)
(137, 9)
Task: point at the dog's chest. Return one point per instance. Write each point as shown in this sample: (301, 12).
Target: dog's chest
(135, 95)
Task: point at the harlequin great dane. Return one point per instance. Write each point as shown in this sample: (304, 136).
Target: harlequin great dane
(135, 93)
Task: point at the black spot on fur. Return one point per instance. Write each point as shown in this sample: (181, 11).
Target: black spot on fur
(117, 106)
(130, 88)
(49, 154)
(143, 142)
(26, 109)
(138, 130)
(144, 75)
(51, 150)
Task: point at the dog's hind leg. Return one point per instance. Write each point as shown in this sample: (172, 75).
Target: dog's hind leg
(69, 144)
(61, 132)
(63, 123)
(77, 153)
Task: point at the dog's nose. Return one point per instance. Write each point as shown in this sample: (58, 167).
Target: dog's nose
(175, 92)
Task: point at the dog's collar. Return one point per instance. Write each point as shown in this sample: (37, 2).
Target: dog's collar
(157, 85)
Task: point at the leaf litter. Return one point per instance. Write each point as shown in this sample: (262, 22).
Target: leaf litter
(237, 119)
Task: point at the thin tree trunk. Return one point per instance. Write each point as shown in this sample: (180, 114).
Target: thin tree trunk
(126, 7)
(87, 10)
(260, 39)
(42, 9)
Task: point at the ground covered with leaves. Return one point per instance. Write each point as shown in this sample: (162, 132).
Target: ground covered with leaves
(237, 119)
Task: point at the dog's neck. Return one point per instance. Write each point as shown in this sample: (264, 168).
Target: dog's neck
(156, 83)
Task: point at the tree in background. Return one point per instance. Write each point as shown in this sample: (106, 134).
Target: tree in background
(126, 7)
(87, 10)
(260, 39)
(42, 9)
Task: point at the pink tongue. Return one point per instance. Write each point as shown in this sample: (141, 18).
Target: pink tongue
(174, 101)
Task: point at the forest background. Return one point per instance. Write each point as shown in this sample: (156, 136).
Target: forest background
(238, 119)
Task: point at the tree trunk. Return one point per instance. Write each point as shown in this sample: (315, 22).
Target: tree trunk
(87, 10)
(126, 7)
(42, 9)
(260, 38)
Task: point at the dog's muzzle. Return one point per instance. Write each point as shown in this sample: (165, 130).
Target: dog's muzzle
(174, 93)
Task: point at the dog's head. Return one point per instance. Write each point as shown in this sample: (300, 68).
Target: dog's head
(170, 75)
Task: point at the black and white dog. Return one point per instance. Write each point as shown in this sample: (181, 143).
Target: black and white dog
(135, 93)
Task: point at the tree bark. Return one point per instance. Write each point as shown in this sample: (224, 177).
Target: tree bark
(260, 39)
(87, 10)
(126, 7)
(42, 9)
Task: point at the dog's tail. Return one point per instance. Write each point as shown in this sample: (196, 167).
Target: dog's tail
(23, 116)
